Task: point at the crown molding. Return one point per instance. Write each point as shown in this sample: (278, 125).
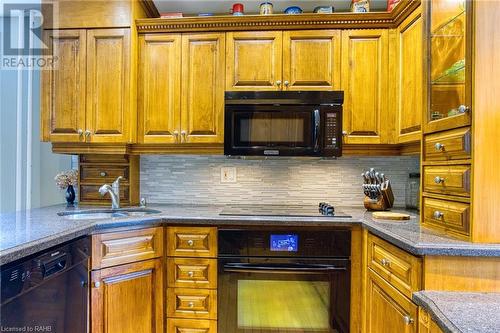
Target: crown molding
(370, 20)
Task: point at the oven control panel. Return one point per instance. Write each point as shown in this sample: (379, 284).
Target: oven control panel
(286, 243)
(332, 128)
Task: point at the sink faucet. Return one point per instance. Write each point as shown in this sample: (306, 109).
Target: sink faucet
(114, 192)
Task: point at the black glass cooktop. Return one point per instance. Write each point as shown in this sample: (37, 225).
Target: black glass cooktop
(324, 210)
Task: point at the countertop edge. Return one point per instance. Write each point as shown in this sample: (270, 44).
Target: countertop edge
(436, 314)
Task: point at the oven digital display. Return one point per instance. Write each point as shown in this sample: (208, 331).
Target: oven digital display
(286, 243)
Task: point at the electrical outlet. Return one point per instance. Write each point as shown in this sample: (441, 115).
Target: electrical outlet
(228, 175)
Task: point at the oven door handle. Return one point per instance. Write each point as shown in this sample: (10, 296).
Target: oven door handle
(282, 269)
(317, 123)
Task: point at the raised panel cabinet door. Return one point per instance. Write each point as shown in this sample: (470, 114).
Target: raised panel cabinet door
(159, 88)
(387, 310)
(108, 85)
(202, 111)
(63, 88)
(254, 60)
(410, 78)
(367, 118)
(128, 298)
(311, 60)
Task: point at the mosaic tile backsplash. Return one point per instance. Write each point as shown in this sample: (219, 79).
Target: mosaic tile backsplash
(197, 179)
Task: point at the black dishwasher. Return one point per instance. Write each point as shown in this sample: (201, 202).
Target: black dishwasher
(48, 291)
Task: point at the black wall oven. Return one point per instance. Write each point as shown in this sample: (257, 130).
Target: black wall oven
(283, 123)
(283, 281)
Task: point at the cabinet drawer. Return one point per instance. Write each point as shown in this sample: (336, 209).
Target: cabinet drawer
(118, 248)
(91, 193)
(103, 174)
(401, 269)
(453, 179)
(447, 215)
(191, 242)
(191, 326)
(191, 273)
(192, 303)
(449, 145)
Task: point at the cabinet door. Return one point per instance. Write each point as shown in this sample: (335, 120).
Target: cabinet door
(128, 298)
(202, 115)
(63, 89)
(367, 119)
(449, 48)
(410, 78)
(387, 310)
(254, 60)
(108, 88)
(311, 60)
(159, 88)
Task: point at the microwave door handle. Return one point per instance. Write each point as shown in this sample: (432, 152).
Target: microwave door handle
(317, 122)
(282, 269)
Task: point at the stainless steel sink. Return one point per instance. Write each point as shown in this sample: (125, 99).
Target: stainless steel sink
(96, 214)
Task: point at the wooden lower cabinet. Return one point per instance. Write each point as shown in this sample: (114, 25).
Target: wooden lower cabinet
(426, 324)
(191, 326)
(128, 298)
(387, 310)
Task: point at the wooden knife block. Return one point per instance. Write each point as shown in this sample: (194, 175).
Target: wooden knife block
(384, 201)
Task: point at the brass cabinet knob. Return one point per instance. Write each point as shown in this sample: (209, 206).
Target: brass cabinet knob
(191, 304)
(103, 174)
(183, 136)
(278, 83)
(439, 146)
(97, 284)
(385, 262)
(190, 273)
(437, 214)
(80, 132)
(408, 320)
(438, 180)
(190, 242)
(286, 83)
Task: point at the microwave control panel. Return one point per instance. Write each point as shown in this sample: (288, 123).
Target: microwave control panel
(332, 127)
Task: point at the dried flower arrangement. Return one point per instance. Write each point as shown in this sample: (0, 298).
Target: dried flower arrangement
(66, 178)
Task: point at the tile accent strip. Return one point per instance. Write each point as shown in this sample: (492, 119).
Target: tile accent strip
(197, 179)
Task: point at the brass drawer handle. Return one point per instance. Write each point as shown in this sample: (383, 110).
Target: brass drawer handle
(191, 304)
(437, 214)
(438, 180)
(439, 146)
(103, 174)
(385, 262)
(190, 274)
(190, 242)
(408, 320)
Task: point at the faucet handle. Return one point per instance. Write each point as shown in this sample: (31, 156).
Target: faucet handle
(117, 180)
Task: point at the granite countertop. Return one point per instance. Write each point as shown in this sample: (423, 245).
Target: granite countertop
(27, 232)
(460, 312)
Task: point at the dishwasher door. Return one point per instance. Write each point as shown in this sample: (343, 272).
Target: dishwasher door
(47, 293)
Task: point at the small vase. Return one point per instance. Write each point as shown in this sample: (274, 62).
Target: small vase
(70, 196)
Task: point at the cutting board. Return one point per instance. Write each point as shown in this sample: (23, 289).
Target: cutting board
(390, 216)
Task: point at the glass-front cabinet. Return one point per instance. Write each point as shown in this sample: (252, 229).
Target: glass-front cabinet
(449, 64)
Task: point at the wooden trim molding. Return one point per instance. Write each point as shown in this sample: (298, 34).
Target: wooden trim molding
(150, 8)
(281, 21)
(89, 148)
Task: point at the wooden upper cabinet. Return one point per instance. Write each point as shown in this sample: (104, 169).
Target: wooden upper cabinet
(254, 60)
(311, 60)
(387, 310)
(128, 298)
(202, 111)
(449, 47)
(108, 85)
(410, 78)
(63, 89)
(365, 85)
(159, 88)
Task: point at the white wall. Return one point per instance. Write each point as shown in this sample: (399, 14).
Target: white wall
(24, 184)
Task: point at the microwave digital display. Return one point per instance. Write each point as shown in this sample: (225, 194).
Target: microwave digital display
(285, 243)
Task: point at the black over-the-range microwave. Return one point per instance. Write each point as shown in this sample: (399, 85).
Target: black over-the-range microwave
(283, 123)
